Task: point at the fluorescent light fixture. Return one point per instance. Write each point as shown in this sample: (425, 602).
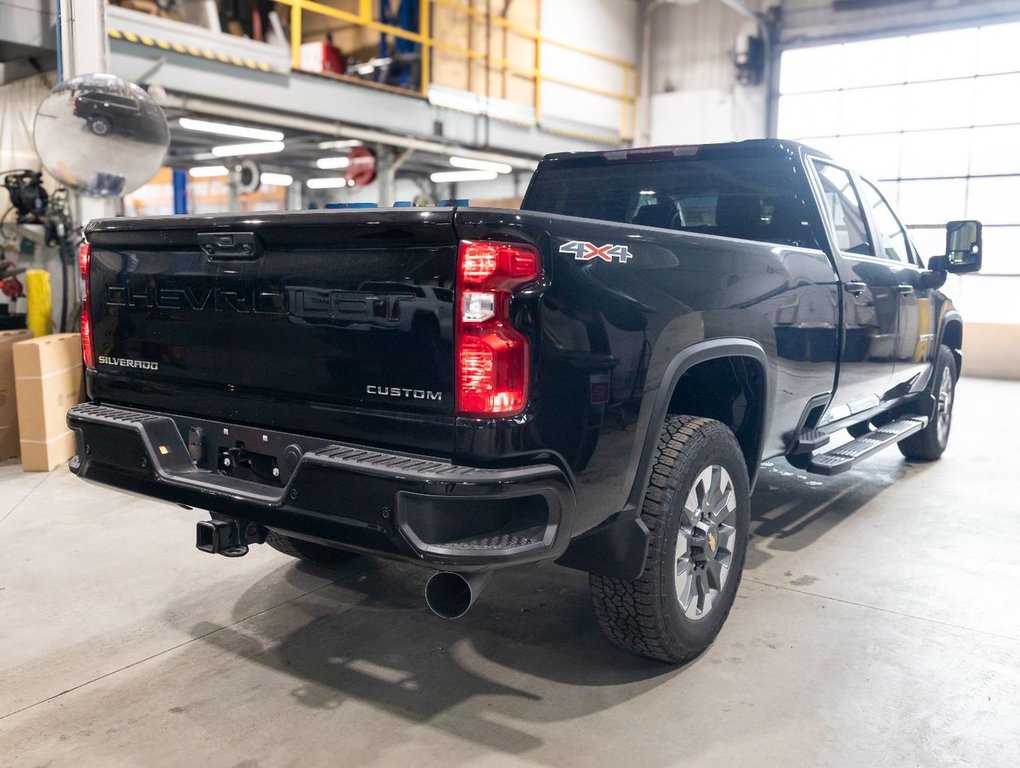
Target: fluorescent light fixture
(277, 179)
(463, 176)
(647, 191)
(340, 144)
(205, 171)
(329, 182)
(255, 148)
(226, 129)
(327, 163)
(479, 165)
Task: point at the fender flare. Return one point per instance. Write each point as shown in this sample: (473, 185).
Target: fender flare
(695, 354)
(619, 546)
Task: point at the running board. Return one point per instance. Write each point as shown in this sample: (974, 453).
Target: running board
(843, 458)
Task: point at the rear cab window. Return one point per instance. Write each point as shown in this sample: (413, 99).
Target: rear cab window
(742, 192)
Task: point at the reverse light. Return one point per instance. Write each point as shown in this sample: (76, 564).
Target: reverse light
(492, 355)
(478, 306)
(84, 266)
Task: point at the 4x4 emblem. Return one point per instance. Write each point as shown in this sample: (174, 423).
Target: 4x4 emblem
(587, 251)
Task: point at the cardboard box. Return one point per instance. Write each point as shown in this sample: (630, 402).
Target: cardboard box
(48, 381)
(8, 399)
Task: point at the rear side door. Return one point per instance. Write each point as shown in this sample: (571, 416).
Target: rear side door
(915, 310)
(869, 296)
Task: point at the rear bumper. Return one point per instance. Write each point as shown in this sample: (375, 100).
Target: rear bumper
(408, 507)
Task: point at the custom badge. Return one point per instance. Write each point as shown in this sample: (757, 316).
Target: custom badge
(587, 251)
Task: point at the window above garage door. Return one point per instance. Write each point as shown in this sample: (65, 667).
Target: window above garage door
(934, 118)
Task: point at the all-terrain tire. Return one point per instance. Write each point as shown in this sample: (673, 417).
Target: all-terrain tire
(645, 615)
(316, 554)
(930, 443)
(101, 126)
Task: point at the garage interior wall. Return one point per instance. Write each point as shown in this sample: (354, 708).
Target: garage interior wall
(695, 94)
(609, 27)
(932, 117)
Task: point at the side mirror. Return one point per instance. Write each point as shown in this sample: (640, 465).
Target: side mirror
(963, 246)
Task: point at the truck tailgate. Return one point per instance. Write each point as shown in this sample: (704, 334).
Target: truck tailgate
(337, 323)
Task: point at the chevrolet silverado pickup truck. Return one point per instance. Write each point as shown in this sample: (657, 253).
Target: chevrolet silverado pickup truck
(593, 379)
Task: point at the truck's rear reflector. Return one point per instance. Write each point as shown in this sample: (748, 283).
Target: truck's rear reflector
(492, 355)
(84, 265)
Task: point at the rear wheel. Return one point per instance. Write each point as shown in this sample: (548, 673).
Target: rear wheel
(310, 552)
(931, 442)
(697, 510)
(100, 126)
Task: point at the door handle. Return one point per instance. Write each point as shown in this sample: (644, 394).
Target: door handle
(855, 288)
(904, 290)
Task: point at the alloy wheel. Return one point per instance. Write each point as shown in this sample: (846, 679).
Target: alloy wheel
(704, 547)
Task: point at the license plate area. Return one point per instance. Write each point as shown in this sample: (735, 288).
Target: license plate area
(242, 464)
(245, 453)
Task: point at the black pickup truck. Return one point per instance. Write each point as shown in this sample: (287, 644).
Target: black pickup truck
(592, 379)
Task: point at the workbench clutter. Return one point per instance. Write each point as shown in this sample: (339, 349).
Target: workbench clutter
(47, 382)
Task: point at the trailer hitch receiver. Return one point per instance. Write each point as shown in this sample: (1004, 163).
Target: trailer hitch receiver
(229, 538)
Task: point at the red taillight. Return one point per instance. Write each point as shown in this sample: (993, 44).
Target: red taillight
(492, 355)
(496, 265)
(84, 263)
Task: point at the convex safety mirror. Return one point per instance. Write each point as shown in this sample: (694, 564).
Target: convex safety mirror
(963, 246)
(101, 135)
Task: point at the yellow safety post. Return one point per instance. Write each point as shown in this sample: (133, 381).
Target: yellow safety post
(295, 34)
(40, 302)
(425, 19)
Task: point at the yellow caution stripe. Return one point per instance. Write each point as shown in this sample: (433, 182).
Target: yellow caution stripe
(189, 50)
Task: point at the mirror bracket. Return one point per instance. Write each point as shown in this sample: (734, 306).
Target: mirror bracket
(934, 278)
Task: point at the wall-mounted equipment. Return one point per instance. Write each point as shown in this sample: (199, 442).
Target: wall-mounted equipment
(749, 59)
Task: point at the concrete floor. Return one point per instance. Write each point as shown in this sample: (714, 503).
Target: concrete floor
(878, 624)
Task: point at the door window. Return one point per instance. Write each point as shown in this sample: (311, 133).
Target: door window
(842, 207)
(892, 240)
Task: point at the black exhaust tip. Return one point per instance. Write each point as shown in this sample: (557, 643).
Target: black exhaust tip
(449, 595)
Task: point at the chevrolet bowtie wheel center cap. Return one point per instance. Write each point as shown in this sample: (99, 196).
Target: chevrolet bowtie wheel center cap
(704, 541)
